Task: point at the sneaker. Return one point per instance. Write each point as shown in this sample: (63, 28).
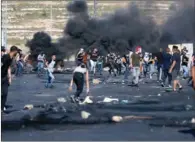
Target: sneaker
(77, 99)
(136, 85)
(73, 99)
(170, 86)
(180, 88)
(162, 84)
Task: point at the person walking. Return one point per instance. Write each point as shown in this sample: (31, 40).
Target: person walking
(175, 68)
(135, 64)
(6, 77)
(50, 69)
(167, 59)
(78, 78)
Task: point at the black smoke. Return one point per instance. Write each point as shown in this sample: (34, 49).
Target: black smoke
(180, 27)
(42, 42)
(123, 30)
(118, 32)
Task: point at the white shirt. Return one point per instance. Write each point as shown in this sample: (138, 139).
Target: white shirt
(81, 70)
(41, 57)
(51, 66)
(146, 57)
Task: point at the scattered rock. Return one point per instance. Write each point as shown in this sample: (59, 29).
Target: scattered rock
(28, 106)
(193, 120)
(108, 100)
(85, 114)
(61, 100)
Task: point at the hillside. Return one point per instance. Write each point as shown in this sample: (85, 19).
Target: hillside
(27, 17)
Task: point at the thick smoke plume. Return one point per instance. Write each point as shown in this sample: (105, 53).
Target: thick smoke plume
(124, 29)
(41, 42)
(180, 27)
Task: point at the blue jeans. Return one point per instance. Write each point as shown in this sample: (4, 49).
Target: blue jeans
(127, 72)
(100, 67)
(185, 71)
(50, 79)
(40, 67)
(145, 69)
(19, 69)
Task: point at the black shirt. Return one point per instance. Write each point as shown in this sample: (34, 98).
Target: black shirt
(80, 56)
(176, 57)
(94, 56)
(6, 62)
(167, 60)
(159, 56)
(185, 60)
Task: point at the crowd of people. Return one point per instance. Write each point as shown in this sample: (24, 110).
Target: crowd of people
(166, 64)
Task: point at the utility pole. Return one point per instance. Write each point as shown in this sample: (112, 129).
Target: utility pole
(95, 7)
(51, 19)
(4, 27)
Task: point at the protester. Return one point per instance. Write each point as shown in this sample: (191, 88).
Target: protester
(175, 68)
(19, 65)
(159, 57)
(50, 68)
(193, 71)
(135, 64)
(145, 63)
(6, 77)
(152, 65)
(119, 64)
(40, 64)
(100, 64)
(3, 51)
(93, 60)
(78, 79)
(185, 69)
(167, 59)
(126, 65)
(79, 57)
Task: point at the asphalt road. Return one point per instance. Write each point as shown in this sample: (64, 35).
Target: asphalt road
(172, 111)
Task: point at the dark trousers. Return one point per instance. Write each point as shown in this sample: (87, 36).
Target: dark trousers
(4, 91)
(78, 79)
(167, 74)
(119, 68)
(111, 66)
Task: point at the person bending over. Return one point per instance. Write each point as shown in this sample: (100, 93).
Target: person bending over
(78, 78)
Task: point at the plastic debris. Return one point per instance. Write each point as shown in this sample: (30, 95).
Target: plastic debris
(193, 120)
(85, 114)
(108, 100)
(87, 101)
(117, 118)
(96, 81)
(188, 107)
(28, 106)
(61, 100)
(125, 101)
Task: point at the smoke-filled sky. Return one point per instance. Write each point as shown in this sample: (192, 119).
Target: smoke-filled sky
(125, 29)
